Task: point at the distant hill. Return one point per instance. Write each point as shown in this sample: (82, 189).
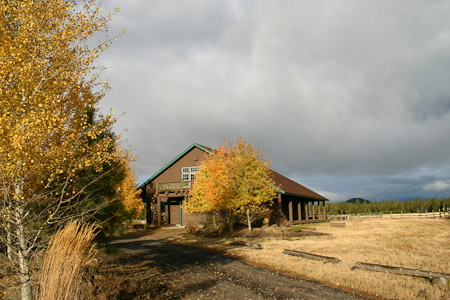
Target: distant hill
(361, 200)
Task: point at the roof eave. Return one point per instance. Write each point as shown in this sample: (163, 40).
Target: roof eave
(195, 145)
(304, 196)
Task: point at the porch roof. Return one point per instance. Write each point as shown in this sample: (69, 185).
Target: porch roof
(290, 187)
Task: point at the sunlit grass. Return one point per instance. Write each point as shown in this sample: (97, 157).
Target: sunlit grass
(410, 243)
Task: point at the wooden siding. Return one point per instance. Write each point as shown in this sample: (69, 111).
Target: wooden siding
(173, 173)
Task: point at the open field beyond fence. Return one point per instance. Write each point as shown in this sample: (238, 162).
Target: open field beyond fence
(416, 243)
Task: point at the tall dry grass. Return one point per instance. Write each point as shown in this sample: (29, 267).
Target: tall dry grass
(69, 252)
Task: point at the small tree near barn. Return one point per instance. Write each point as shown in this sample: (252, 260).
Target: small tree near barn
(234, 179)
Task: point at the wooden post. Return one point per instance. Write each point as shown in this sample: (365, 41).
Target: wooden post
(439, 278)
(280, 209)
(248, 244)
(324, 211)
(291, 211)
(325, 259)
(158, 211)
(319, 208)
(313, 210)
(306, 211)
(299, 211)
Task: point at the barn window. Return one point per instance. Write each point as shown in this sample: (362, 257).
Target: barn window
(189, 173)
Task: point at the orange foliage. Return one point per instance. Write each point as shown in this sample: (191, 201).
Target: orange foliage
(234, 177)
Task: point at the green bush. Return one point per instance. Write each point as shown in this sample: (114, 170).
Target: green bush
(296, 228)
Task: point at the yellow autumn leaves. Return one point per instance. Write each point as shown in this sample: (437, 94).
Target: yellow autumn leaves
(48, 84)
(45, 88)
(234, 178)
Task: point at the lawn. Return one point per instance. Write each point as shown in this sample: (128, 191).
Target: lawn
(408, 242)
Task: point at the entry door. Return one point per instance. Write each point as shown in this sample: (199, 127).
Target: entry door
(174, 214)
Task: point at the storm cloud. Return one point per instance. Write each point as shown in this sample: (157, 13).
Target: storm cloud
(351, 98)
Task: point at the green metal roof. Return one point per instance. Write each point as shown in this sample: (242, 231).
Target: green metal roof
(173, 161)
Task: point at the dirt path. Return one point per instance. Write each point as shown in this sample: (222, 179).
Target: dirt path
(151, 269)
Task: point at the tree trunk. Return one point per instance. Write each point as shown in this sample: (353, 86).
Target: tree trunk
(22, 256)
(229, 217)
(22, 247)
(214, 220)
(249, 221)
(9, 242)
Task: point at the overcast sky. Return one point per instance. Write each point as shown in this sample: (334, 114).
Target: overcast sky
(350, 98)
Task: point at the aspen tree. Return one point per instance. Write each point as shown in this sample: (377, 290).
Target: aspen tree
(234, 179)
(48, 81)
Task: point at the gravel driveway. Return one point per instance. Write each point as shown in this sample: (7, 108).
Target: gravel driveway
(153, 269)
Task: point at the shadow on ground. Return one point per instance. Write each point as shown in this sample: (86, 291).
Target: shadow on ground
(151, 269)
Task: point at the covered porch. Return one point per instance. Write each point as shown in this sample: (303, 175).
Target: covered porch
(165, 205)
(299, 210)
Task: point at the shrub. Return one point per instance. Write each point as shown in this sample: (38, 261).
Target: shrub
(296, 228)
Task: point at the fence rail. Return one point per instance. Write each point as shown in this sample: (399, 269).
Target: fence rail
(424, 214)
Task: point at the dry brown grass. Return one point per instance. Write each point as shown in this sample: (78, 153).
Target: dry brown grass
(411, 243)
(69, 252)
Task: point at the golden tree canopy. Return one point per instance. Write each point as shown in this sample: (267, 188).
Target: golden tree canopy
(235, 177)
(49, 90)
(48, 82)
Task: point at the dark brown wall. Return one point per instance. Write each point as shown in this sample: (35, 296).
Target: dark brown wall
(173, 173)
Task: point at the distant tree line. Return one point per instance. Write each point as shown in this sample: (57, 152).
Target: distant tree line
(385, 207)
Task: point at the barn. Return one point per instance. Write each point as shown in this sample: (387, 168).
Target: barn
(164, 193)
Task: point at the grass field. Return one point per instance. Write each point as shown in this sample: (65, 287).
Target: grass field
(410, 243)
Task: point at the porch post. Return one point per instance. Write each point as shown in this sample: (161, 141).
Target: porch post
(158, 211)
(306, 211)
(313, 210)
(299, 210)
(319, 208)
(324, 211)
(280, 213)
(291, 211)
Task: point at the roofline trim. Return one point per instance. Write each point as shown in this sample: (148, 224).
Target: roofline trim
(278, 188)
(303, 196)
(195, 145)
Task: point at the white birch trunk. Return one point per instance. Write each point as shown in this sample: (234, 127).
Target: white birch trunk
(249, 221)
(22, 251)
(22, 255)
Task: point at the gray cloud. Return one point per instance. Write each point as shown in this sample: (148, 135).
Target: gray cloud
(437, 186)
(357, 89)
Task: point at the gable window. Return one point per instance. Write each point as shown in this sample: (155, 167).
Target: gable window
(188, 173)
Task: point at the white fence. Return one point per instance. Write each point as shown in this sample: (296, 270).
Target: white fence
(425, 214)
